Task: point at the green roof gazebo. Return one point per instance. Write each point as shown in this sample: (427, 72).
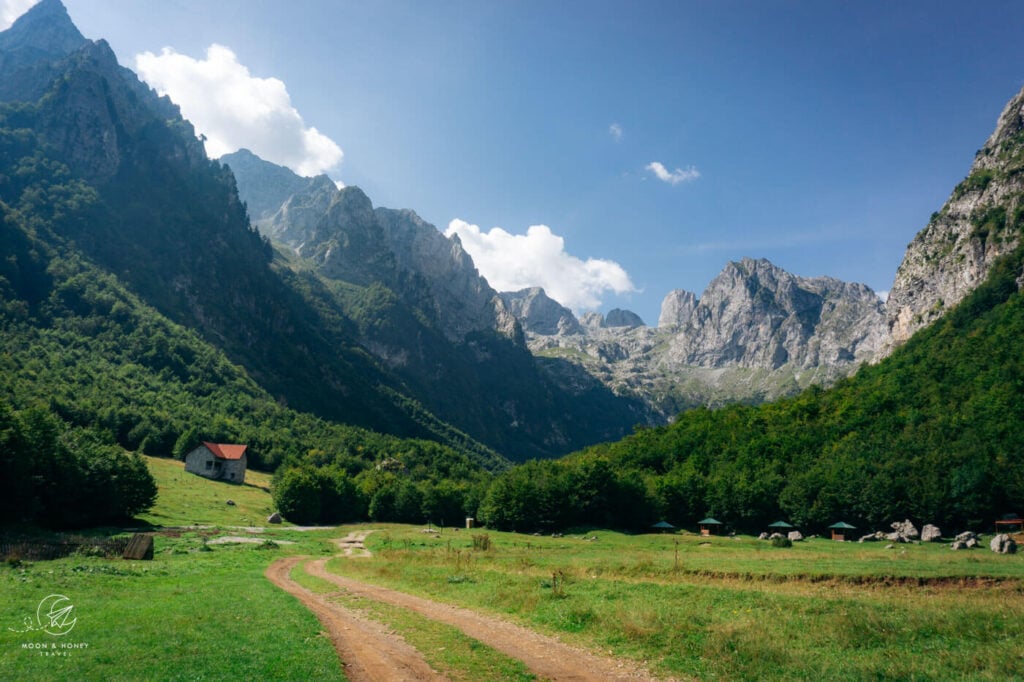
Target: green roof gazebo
(663, 526)
(780, 527)
(839, 530)
(710, 526)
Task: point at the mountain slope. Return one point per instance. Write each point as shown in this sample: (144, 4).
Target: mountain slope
(756, 333)
(932, 433)
(420, 307)
(197, 260)
(980, 222)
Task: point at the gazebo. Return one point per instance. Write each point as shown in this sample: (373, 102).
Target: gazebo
(710, 526)
(1010, 523)
(663, 527)
(839, 530)
(780, 527)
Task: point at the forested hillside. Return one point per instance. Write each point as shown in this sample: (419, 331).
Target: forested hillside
(933, 433)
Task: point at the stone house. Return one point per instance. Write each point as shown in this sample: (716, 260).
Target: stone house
(218, 461)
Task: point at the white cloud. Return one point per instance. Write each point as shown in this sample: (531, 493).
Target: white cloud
(10, 10)
(884, 295)
(235, 109)
(615, 130)
(675, 177)
(511, 262)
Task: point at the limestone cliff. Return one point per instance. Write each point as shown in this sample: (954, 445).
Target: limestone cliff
(756, 333)
(981, 220)
(347, 239)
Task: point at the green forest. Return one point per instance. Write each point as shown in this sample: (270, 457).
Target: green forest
(134, 321)
(90, 371)
(931, 434)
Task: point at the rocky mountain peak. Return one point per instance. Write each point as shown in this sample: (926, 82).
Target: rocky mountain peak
(676, 308)
(45, 31)
(981, 221)
(270, 185)
(350, 240)
(541, 314)
(617, 317)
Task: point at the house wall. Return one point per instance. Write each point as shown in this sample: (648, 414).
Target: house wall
(196, 462)
(234, 470)
(203, 463)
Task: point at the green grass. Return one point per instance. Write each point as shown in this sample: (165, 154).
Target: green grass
(444, 647)
(692, 607)
(732, 609)
(184, 499)
(191, 613)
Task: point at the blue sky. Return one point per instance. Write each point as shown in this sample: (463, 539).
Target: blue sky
(819, 135)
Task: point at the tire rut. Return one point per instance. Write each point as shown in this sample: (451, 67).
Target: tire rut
(544, 656)
(368, 652)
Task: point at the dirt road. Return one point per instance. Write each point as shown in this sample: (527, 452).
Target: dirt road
(545, 656)
(369, 653)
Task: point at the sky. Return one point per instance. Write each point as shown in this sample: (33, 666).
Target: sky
(607, 151)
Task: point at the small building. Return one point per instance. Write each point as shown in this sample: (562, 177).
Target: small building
(1011, 523)
(663, 527)
(218, 461)
(840, 530)
(780, 527)
(710, 526)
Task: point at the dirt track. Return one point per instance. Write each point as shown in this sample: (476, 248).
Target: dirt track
(545, 656)
(367, 650)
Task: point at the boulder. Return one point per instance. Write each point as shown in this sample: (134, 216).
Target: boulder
(906, 529)
(931, 533)
(274, 518)
(872, 537)
(762, 536)
(1003, 544)
(966, 535)
(776, 536)
(972, 543)
(796, 536)
(231, 503)
(958, 544)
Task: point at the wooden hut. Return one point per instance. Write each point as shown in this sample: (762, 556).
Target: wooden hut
(839, 530)
(710, 526)
(1010, 524)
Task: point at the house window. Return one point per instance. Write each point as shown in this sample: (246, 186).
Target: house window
(209, 464)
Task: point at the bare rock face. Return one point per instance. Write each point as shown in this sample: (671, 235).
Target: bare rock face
(755, 314)
(348, 239)
(622, 318)
(677, 308)
(540, 314)
(981, 220)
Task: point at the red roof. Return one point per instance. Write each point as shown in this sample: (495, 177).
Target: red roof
(225, 451)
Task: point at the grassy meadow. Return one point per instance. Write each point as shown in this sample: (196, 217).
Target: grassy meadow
(690, 607)
(721, 608)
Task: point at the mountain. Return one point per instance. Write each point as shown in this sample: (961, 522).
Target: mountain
(419, 306)
(153, 211)
(756, 333)
(932, 433)
(980, 222)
